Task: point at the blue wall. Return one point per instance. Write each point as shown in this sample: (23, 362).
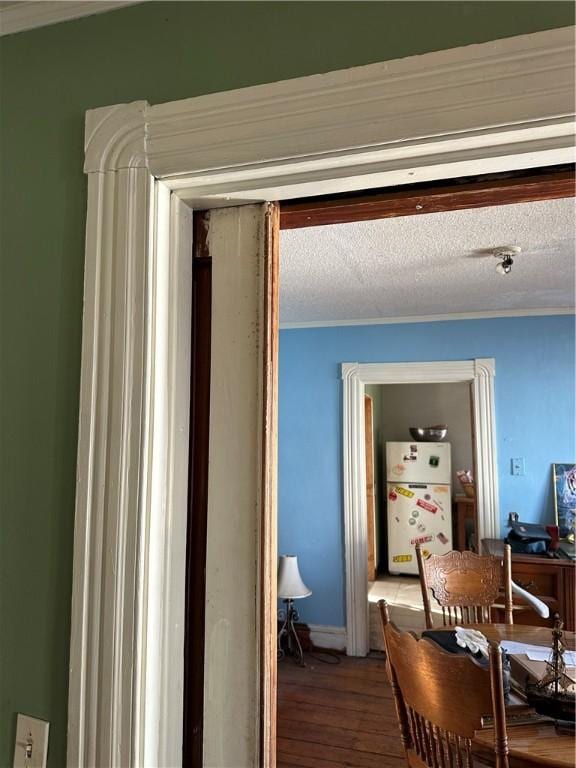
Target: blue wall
(535, 415)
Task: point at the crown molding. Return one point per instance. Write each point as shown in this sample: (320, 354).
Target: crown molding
(21, 16)
(487, 315)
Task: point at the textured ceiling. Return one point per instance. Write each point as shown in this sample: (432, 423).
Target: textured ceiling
(430, 264)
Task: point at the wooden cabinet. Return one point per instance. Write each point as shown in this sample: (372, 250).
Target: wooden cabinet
(464, 511)
(549, 579)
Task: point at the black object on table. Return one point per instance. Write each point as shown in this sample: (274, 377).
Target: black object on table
(447, 641)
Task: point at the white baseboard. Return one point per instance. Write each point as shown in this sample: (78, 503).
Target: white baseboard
(323, 636)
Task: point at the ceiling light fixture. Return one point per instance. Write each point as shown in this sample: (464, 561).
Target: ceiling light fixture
(505, 253)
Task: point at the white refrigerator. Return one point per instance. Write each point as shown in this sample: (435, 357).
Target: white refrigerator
(419, 504)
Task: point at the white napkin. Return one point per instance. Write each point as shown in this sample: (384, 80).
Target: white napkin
(472, 639)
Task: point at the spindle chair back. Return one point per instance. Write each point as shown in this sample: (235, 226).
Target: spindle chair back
(465, 585)
(442, 699)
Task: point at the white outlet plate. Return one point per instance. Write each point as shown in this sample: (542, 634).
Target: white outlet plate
(518, 467)
(30, 730)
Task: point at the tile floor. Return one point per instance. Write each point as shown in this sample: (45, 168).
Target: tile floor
(403, 595)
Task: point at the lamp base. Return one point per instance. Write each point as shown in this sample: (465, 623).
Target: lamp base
(288, 640)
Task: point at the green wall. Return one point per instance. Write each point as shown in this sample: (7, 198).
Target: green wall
(49, 77)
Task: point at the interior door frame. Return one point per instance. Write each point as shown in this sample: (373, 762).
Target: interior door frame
(370, 463)
(480, 374)
(447, 114)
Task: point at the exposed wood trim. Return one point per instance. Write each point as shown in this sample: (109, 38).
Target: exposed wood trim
(435, 197)
(195, 621)
(268, 535)
(20, 16)
(471, 395)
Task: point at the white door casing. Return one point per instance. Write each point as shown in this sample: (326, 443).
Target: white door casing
(131, 492)
(498, 106)
(480, 374)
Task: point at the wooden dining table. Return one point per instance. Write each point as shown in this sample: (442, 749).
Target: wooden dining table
(533, 744)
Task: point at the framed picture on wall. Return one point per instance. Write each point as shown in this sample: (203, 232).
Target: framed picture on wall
(564, 476)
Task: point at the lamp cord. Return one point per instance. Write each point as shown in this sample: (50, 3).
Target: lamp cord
(332, 658)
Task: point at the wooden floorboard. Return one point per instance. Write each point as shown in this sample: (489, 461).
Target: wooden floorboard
(338, 718)
(336, 715)
(352, 702)
(336, 685)
(373, 668)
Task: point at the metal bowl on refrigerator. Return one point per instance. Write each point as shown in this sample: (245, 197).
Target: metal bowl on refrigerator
(429, 434)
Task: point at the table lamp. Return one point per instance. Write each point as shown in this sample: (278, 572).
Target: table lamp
(290, 588)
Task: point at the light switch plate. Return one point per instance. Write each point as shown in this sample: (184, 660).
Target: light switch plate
(518, 467)
(31, 748)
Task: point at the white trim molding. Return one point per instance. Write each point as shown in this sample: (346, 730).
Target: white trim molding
(498, 106)
(27, 14)
(480, 374)
(126, 653)
(507, 104)
(325, 636)
(109, 479)
(487, 315)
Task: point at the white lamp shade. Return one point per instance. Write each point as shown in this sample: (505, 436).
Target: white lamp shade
(290, 584)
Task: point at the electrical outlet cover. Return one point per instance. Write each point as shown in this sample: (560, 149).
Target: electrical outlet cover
(31, 748)
(518, 467)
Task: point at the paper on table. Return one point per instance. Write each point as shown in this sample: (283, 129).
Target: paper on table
(536, 652)
(569, 657)
(512, 646)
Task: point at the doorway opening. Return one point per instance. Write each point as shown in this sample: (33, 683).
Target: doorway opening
(414, 389)
(394, 521)
(391, 411)
(476, 382)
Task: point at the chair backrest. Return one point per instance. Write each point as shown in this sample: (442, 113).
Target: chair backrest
(442, 698)
(465, 585)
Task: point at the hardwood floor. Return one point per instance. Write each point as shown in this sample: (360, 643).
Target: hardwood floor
(335, 715)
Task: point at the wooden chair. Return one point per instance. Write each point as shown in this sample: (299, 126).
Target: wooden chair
(442, 698)
(466, 585)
